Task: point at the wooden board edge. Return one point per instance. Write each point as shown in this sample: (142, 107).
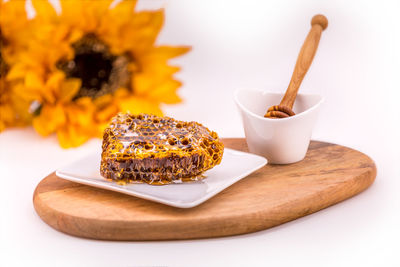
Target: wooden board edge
(65, 224)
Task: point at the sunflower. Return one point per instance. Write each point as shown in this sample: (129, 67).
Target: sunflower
(12, 109)
(91, 61)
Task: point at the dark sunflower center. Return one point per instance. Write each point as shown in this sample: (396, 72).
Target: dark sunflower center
(100, 71)
(94, 68)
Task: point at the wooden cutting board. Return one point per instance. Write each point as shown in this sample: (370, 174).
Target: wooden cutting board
(270, 196)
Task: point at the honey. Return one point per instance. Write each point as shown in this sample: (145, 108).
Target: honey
(157, 150)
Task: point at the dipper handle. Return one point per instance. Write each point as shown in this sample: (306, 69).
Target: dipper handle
(305, 58)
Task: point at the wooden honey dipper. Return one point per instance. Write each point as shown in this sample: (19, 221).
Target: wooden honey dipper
(304, 60)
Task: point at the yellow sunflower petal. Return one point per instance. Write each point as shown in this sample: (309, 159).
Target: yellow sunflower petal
(167, 52)
(72, 13)
(12, 20)
(92, 11)
(75, 35)
(64, 137)
(106, 113)
(21, 108)
(136, 105)
(17, 71)
(71, 136)
(7, 115)
(81, 112)
(157, 83)
(103, 100)
(98, 8)
(137, 36)
(156, 60)
(155, 79)
(44, 10)
(80, 125)
(55, 80)
(160, 70)
(105, 109)
(33, 86)
(147, 25)
(33, 80)
(142, 83)
(166, 92)
(123, 9)
(25, 93)
(69, 89)
(50, 119)
(121, 93)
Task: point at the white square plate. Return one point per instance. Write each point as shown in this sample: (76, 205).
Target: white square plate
(234, 166)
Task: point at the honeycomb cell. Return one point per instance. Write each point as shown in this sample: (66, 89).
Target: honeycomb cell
(157, 150)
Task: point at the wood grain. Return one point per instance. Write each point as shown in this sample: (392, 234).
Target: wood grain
(270, 196)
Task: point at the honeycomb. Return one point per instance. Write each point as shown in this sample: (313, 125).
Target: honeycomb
(157, 150)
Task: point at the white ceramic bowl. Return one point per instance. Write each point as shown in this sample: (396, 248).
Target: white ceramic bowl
(281, 141)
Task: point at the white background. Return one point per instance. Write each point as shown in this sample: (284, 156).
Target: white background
(248, 44)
